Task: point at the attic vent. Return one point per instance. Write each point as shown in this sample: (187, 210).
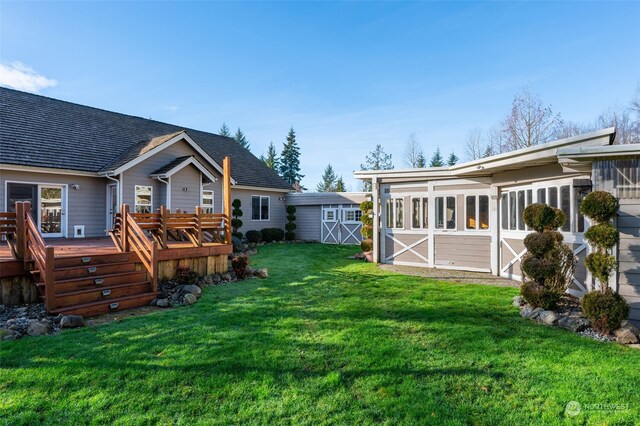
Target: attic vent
(387, 191)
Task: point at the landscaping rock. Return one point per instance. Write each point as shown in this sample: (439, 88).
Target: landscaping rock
(226, 277)
(574, 324)
(530, 312)
(11, 335)
(190, 299)
(216, 278)
(261, 273)
(359, 256)
(162, 303)
(192, 289)
(627, 334)
(535, 313)
(208, 279)
(517, 300)
(71, 321)
(548, 317)
(38, 328)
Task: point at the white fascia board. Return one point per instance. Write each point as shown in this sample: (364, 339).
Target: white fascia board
(586, 152)
(33, 169)
(182, 165)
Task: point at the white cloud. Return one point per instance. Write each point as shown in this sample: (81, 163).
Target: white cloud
(21, 77)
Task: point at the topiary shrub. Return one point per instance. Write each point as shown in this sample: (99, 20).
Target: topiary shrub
(253, 236)
(605, 310)
(239, 266)
(601, 265)
(290, 226)
(237, 235)
(367, 220)
(600, 206)
(366, 245)
(539, 296)
(603, 235)
(236, 222)
(270, 235)
(548, 265)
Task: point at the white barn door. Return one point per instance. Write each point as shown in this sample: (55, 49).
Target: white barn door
(330, 226)
(341, 225)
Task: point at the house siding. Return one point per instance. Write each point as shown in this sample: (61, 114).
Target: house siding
(629, 255)
(85, 206)
(185, 189)
(277, 214)
(309, 222)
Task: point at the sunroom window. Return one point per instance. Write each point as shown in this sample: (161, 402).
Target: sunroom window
(143, 199)
(446, 212)
(477, 212)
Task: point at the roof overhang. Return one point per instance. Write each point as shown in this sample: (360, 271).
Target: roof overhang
(176, 168)
(538, 155)
(260, 188)
(177, 138)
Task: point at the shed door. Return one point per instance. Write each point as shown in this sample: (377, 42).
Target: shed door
(350, 225)
(330, 226)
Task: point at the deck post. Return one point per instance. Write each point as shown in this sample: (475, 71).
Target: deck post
(124, 210)
(154, 266)
(199, 224)
(375, 192)
(49, 278)
(226, 187)
(163, 225)
(22, 209)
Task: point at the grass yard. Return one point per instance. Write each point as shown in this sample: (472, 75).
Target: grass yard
(323, 340)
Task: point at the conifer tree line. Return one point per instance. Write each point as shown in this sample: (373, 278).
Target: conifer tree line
(286, 164)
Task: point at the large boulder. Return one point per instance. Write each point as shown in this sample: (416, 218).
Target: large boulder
(193, 289)
(575, 324)
(38, 328)
(190, 299)
(627, 334)
(71, 321)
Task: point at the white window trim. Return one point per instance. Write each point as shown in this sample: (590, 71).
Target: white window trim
(444, 213)
(477, 197)
(350, 209)
(260, 210)
(213, 199)
(135, 198)
(65, 203)
(421, 211)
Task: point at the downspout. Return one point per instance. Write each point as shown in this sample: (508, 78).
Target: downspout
(118, 192)
(167, 197)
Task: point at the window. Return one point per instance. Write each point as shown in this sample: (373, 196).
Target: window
(477, 216)
(542, 195)
(394, 213)
(419, 213)
(259, 207)
(565, 206)
(521, 207)
(504, 200)
(446, 212)
(143, 199)
(553, 197)
(512, 210)
(352, 215)
(207, 201)
(399, 213)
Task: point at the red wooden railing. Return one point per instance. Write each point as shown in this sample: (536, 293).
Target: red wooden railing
(36, 250)
(134, 237)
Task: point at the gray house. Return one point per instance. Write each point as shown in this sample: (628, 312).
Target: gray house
(77, 164)
(469, 216)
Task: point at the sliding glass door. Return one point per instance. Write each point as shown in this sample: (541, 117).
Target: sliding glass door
(47, 201)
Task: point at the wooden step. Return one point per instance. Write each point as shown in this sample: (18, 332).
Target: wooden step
(106, 306)
(64, 286)
(101, 259)
(93, 271)
(97, 294)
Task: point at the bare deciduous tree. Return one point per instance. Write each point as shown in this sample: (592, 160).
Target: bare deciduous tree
(530, 122)
(620, 118)
(473, 145)
(413, 152)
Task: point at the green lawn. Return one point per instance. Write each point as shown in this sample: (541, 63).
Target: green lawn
(323, 340)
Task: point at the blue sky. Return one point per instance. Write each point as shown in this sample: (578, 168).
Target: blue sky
(346, 75)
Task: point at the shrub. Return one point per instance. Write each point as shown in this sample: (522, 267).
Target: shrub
(290, 226)
(238, 235)
(601, 265)
(605, 310)
(367, 222)
(184, 275)
(236, 222)
(539, 217)
(253, 236)
(538, 243)
(239, 266)
(270, 235)
(603, 235)
(366, 245)
(599, 206)
(237, 244)
(539, 296)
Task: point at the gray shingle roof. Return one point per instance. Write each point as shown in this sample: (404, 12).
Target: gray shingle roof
(44, 132)
(167, 167)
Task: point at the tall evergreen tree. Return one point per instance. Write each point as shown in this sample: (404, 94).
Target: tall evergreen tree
(376, 160)
(242, 139)
(436, 159)
(271, 160)
(421, 162)
(453, 159)
(224, 130)
(290, 160)
(328, 181)
(340, 186)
